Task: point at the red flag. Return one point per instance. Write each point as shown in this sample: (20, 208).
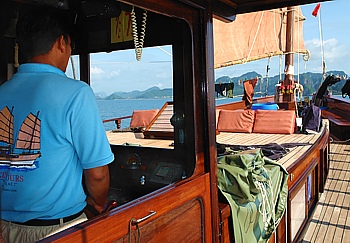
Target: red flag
(315, 12)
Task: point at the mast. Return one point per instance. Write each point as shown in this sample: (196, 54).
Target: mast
(289, 59)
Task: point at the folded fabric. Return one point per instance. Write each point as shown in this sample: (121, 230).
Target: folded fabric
(256, 189)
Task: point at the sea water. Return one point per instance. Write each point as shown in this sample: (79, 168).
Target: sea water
(124, 107)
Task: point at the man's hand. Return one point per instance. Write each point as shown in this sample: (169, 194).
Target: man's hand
(92, 202)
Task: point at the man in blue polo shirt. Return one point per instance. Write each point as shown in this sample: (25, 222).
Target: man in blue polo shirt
(43, 193)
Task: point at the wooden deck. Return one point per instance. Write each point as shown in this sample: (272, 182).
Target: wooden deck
(119, 138)
(331, 219)
(136, 139)
(305, 142)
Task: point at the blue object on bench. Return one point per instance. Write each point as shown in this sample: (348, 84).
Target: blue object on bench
(265, 106)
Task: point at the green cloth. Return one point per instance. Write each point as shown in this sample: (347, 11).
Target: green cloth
(230, 87)
(242, 178)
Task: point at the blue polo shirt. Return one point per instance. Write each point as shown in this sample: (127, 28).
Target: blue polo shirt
(72, 139)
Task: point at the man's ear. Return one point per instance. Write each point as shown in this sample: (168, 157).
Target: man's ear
(61, 44)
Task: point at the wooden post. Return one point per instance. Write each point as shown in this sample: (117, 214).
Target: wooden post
(289, 59)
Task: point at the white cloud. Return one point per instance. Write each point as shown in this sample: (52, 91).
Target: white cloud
(96, 71)
(115, 73)
(163, 75)
(335, 55)
(98, 76)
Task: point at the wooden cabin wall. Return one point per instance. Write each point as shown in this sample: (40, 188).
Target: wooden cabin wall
(208, 96)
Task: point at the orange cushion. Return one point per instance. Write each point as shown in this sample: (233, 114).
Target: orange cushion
(236, 121)
(217, 117)
(274, 121)
(142, 118)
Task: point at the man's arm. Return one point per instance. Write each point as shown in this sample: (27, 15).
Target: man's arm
(97, 184)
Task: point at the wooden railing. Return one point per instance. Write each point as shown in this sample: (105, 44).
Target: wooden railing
(337, 112)
(117, 120)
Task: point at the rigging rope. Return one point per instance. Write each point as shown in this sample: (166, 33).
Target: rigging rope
(256, 34)
(274, 28)
(266, 206)
(321, 43)
(267, 75)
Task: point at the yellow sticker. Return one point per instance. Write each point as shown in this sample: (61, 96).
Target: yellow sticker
(121, 29)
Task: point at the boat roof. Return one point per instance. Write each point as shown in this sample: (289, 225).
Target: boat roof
(228, 9)
(224, 9)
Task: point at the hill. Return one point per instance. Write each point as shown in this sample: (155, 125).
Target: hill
(310, 81)
(151, 93)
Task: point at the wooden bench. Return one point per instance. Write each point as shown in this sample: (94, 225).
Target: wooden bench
(338, 114)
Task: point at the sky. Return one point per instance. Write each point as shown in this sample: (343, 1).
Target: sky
(119, 71)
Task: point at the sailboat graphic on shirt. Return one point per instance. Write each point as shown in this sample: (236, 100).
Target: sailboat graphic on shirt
(28, 139)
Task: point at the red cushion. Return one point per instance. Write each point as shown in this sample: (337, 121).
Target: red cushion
(274, 121)
(236, 121)
(142, 118)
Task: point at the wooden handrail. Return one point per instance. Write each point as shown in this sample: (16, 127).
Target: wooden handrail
(340, 99)
(117, 120)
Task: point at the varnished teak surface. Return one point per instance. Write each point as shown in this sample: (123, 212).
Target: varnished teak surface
(305, 142)
(119, 138)
(181, 216)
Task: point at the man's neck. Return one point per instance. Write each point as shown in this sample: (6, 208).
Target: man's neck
(46, 59)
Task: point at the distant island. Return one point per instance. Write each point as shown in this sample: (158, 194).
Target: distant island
(151, 93)
(310, 81)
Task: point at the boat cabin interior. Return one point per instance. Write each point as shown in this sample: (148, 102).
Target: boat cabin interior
(162, 190)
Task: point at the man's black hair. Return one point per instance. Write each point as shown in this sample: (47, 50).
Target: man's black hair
(38, 29)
